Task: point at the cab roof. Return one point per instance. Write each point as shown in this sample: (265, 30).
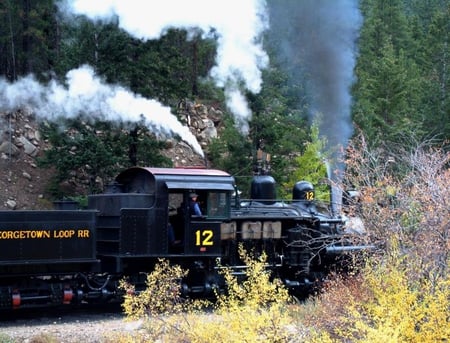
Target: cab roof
(148, 179)
(185, 171)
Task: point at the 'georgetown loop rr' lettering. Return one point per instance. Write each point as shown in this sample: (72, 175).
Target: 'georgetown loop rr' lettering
(42, 234)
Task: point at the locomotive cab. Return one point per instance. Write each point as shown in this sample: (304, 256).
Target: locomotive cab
(196, 233)
(149, 215)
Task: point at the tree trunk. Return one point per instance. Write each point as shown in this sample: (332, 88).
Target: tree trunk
(26, 43)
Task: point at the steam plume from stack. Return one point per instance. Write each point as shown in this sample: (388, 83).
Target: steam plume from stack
(238, 25)
(240, 58)
(86, 95)
(320, 36)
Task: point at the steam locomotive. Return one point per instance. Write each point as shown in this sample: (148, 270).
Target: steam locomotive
(73, 256)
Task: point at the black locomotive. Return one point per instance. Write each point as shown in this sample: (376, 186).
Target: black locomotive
(72, 256)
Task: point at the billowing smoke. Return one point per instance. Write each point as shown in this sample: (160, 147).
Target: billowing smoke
(319, 37)
(319, 43)
(238, 25)
(86, 95)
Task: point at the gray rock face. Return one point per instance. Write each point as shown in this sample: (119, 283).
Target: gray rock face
(9, 149)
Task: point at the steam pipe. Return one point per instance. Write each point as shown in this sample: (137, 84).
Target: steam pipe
(337, 250)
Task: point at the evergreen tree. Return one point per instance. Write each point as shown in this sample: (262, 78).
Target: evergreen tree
(167, 69)
(233, 152)
(279, 121)
(389, 85)
(437, 74)
(97, 151)
(28, 38)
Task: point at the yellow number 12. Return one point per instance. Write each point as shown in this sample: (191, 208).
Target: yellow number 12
(310, 196)
(204, 237)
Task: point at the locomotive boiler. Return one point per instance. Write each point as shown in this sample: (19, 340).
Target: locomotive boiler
(74, 256)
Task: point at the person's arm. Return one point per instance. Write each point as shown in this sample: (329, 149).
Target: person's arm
(197, 210)
(170, 233)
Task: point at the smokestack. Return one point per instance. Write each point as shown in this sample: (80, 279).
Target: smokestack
(336, 192)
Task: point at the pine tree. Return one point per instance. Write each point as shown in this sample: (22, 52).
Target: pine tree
(389, 84)
(437, 73)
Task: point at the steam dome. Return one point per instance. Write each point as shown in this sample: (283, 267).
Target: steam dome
(263, 188)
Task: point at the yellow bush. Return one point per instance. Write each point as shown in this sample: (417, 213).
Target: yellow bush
(254, 310)
(398, 308)
(162, 294)
(383, 303)
(257, 309)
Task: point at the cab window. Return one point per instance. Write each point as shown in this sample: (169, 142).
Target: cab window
(218, 205)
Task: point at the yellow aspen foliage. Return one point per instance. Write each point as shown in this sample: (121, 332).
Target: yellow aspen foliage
(399, 309)
(256, 309)
(162, 294)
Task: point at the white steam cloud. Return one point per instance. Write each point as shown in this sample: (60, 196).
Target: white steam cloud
(86, 95)
(238, 24)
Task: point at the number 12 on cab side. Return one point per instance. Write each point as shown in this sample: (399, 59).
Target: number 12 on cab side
(206, 238)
